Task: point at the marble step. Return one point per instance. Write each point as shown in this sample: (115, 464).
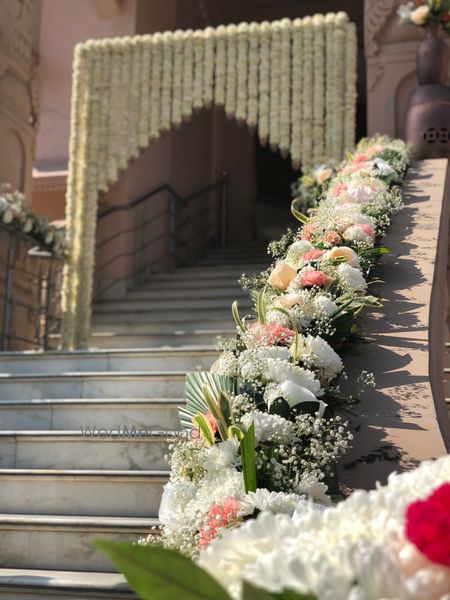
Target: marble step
(107, 360)
(116, 311)
(112, 339)
(91, 384)
(212, 272)
(227, 294)
(70, 414)
(175, 327)
(64, 542)
(180, 305)
(92, 447)
(86, 493)
(41, 584)
(220, 283)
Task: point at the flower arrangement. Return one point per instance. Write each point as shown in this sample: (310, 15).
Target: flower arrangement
(272, 76)
(392, 543)
(261, 433)
(15, 214)
(423, 12)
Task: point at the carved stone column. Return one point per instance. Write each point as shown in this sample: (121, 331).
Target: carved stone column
(19, 104)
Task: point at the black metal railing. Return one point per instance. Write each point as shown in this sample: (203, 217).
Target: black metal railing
(30, 292)
(158, 231)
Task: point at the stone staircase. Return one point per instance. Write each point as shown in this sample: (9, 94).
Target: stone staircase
(83, 435)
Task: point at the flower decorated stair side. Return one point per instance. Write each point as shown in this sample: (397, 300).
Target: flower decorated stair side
(83, 435)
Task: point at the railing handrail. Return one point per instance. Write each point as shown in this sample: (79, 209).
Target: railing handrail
(165, 187)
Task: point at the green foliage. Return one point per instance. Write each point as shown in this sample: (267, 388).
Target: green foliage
(156, 573)
(195, 396)
(253, 593)
(248, 459)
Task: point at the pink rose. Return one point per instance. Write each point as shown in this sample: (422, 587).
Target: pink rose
(315, 278)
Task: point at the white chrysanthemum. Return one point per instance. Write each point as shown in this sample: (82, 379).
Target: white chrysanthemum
(275, 502)
(351, 278)
(214, 489)
(253, 361)
(174, 500)
(221, 456)
(296, 251)
(282, 372)
(311, 486)
(324, 306)
(357, 234)
(317, 353)
(269, 428)
(226, 364)
(345, 552)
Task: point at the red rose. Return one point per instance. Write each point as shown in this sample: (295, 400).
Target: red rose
(428, 525)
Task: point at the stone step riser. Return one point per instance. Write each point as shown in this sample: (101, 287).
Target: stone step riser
(210, 273)
(24, 592)
(91, 387)
(112, 496)
(83, 452)
(62, 549)
(70, 416)
(199, 327)
(214, 293)
(95, 362)
(163, 306)
(115, 313)
(154, 341)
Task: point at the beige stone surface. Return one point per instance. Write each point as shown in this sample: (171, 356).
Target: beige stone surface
(403, 420)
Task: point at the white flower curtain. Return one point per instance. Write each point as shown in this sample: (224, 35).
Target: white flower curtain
(292, 81)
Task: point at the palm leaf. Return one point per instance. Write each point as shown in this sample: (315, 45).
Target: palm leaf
(195, 397)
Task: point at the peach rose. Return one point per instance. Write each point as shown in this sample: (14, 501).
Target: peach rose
(346, 253)
(322, 175)
(419, 16)
(282, 275)
(314, 278)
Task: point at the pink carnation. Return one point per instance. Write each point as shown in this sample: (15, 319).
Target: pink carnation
(337, 189)
(333, 238)
(219, 515)
(359, 158)
(312, 255)
(272, 334)
(307, 231)
(315, 278)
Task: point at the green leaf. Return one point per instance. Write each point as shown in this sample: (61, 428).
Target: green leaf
(156, 573)
(297, 214)
(236, 316)
(195, 399)
(225, 408)
(261, 306)
(280, 407)
(248, 459)
(253, 593)
(204, 426)
(236, 431)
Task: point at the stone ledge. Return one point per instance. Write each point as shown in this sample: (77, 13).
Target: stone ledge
(404, 419)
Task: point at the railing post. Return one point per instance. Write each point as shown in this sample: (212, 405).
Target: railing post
(6, 329)
(224, 208)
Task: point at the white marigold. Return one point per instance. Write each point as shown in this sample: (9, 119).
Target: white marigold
(275, 502)
(316, 352)
(351, 278)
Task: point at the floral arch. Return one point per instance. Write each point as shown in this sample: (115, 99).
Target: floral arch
(292, 81)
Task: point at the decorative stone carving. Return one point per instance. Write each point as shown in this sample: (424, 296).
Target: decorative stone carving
(19, 92)
(390, 51)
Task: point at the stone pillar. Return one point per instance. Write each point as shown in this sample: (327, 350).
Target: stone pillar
(390, 50)
(19, 97)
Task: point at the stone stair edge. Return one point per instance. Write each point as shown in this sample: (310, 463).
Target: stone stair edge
(74, 523)
(116, 352)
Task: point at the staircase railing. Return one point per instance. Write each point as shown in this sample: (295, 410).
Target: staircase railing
(30, 289)
(158, 232)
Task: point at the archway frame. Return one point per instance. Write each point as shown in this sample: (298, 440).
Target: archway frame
(292, 81)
